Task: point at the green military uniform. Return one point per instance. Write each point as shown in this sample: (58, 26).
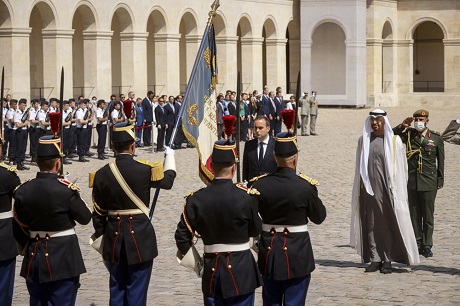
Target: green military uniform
(425, 157)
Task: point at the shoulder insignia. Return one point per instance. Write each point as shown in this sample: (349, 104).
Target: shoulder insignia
(91, 179)
(23, 183)
(69, 185)
(258, 177)
(241, 186)
(309, 179)
(253, 191)
(193, 192)
(156, 169)
(9, 168)
(435, 132)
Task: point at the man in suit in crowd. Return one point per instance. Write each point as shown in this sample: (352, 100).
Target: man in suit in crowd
(160, 118)
(265, 102)
(140, 121)
(220, 113)
(147, 107)
(258, 155)
(170, 113)
(425, 163)
(279, 104)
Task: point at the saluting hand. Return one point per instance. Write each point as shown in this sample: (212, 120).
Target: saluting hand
(407, 122)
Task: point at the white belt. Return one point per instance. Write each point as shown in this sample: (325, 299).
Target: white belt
(6, 215)
(222, 248)
(125, 212)
(43, 234)
(280, 228)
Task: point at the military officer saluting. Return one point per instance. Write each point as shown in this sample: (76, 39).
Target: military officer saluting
(121, 195)
(225, 217)
(8, 251)
(287, 202)
(425, 161)
(44, 227)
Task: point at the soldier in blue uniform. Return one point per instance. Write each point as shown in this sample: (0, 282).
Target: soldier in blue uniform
(225, 217)
(8, 251)
(121, 195)
(287, 202)
(44, 228)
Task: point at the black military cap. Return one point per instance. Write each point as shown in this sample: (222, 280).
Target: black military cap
(123, 133)
(22, 101)
(13, 101)
(49, 147)
(421, 113)
(286, 144)
(224, 151)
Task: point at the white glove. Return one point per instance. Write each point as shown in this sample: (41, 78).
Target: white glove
(170, 161)
(168, 150)
(458, 120)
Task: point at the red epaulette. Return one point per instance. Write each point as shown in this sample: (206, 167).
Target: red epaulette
(69, 185)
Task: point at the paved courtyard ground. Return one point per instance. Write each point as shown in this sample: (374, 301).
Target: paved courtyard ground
(339, 277)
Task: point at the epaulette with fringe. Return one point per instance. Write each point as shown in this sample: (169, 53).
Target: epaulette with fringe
(91, 179)
(69, 185)
(23, 183)
(9, 168)
(256, 178)
(193, 192)
(312, 182)
(156, 169)
(249, 190)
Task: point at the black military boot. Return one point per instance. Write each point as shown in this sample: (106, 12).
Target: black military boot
(100, 156)
(23, 166)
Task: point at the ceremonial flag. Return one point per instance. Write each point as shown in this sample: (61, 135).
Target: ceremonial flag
(198, 110)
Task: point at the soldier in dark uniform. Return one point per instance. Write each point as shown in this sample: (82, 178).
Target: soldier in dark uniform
(44, 228)
(425, 161)
(8, 251)
(225, 217)
(287, 202)
(129, 243)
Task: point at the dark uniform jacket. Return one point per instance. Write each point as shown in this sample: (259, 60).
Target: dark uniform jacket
(160, 116)
(170, 115)
(251, 166)
(48, 203)
(148, 110)
(287, 199)
(134, 232)
(430, 174)
(8, 182)
(223, 213)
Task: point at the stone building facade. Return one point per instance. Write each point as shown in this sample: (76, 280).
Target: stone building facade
(352, 52)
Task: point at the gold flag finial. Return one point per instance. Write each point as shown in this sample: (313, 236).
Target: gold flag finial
(215, 5)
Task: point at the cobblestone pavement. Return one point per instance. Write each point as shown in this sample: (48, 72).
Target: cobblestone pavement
(339, 277)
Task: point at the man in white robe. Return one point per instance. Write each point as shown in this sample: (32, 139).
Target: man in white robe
(381, 229)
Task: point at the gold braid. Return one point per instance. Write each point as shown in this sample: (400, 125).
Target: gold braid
(194, 234)
(410, 153)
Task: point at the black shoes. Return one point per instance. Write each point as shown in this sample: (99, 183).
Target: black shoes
(65, 161)
(100, 156)
(21, 166)
(89, 154)
(373, 267)
(426, 252)
(82, 159)
(386, 268)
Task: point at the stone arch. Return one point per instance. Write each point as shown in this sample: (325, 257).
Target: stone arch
(220, 25)
(84, 24)
(245, 26)
(156, 49)
(245, 51)
(413, 27)
(330, 19)
(329, 58)
(5, 15)
(292, 55)
(188, 45)
(270, 28)
(428, 56)
(269, 53)
(5, 42)
(387, 57)
(42, 18)
(122, 26)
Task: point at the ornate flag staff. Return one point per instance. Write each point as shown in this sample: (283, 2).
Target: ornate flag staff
(297, 96)
(1, 108)
(238, 125)
(61, 127)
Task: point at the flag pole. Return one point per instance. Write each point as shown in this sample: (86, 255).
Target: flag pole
(61, 127)
(1, 109)
(238, 125)
(215, 5)
(297, 103)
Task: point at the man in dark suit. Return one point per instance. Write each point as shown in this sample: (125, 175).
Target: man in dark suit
(148, 116)
(121, 196)
(255, 161)
(161, 123)
(265, 102)
(425, 164)
(170, 113)
(279, 106)
(287, 203)
(140, 121)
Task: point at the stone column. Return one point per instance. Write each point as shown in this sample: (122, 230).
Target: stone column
(167, 63)
(374, 70)
(57, 53)
(356, 72)
(97, 63)
(305, 61)
(15, 58)
(405, 66)
(451, 66)
(276, 63)
(294, 62)
(192, 43)
(251, 63)
(227, 62)
(134, 62)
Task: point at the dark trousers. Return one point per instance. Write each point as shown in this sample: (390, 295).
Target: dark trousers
(169, 131)
(43, 132)
(12, 147)
(289, 292)
(244, 130)
(161, 138)
(128, 283)
(147, 136)
(21, 145)
(89, 135)
(421, 207)
(6, 132)
(179, 136)
(66, 141)
(33, 140)
(73, 138)
(60, 292)
(7, 269)
(277, 126)
(272, 127)
(101, 137)
(81, 133)
(138, 132)
(218, 299)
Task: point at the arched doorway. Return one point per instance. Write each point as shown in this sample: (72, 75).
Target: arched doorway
(188, 46)
(5, 42)
(269, 54)
(156, 51)
(292, 56)
(328, 64)
(387, 58)
(245, 54)
(428, 58)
